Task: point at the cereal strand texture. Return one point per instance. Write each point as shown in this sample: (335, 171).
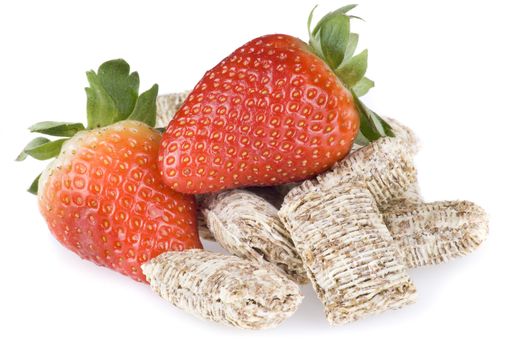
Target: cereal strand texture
(248, 226)
(167, 106)
(348, 252)
(203, 230)
(406, 134)
(223, 288)
(433, 233)
(385, 166)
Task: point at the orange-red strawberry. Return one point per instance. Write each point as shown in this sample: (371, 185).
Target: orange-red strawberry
(102, 197)
(274, 111)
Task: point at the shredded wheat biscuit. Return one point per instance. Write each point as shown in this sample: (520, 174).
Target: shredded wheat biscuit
(411, 195)
(203, 230)
(405, 209)
(248, 226)
(167, 106)
(411, 141)
(269, 193)
(223, 288)
(347, 251)
(405, 134)
(433, 233)
(385, 166)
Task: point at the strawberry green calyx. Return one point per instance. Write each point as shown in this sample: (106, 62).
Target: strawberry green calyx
(332, 40)
(112, 96)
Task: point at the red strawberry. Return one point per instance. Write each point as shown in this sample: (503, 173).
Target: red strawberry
(276, 110)
(103, 197)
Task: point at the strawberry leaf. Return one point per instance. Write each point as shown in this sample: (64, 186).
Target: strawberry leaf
(101, 109)
(362, 87)
(145, 108)
(334, 37)
(361, 140)
(112, 95)
(351, 47)
(57, 128)
(314, 39)
(367, 126)
(333, 42)
(372, 126)
(309, 20)
(34, 185)
(32, 144)
(341, 10)
(43, 149)
(354, 70)
(386, 126)
(315, 44)
(120, 85)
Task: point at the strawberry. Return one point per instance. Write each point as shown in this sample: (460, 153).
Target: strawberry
(102, 197)
(276, 110)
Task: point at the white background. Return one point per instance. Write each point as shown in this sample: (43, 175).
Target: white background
(452, 70)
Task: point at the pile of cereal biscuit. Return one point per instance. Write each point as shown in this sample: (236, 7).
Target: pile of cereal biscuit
(353, 232)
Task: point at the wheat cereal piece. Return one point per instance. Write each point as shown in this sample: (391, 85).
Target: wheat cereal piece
(269, 193)
(248, 226)
(411, 143)
(385, 166)
(433, 233)
(203, 230)
(167, 106)
(412, 195)
(405, 134)
(347, 251)
(223, 288)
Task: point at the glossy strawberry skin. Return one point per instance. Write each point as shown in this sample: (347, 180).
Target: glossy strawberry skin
(270, 113)
(104, 200)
